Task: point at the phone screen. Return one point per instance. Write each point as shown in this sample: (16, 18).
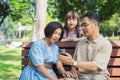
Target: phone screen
(62, 52)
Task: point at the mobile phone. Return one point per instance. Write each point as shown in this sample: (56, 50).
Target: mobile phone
(62, 52)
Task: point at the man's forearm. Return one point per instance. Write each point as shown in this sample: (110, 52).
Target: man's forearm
(88, 66)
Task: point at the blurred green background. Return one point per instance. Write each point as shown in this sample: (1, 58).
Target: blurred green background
(17, 14)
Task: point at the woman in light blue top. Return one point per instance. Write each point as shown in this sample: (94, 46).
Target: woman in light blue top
(43, 54)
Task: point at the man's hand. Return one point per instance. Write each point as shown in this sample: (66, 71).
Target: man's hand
(66, 59)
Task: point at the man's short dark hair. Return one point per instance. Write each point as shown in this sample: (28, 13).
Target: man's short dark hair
(92, 16)
(51, 27)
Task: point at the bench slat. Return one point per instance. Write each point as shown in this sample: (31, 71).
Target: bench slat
(27, 45)
(114, 78)
(115, 52)
(114, 62)
(69, 44)
(115, 43)
(24, 61)
(114, 71)
(25, 52)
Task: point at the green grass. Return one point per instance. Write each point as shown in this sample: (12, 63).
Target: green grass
(10, 63)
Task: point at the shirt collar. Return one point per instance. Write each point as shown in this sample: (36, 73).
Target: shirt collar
(97, 40)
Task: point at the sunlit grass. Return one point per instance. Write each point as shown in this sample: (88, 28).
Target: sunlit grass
(10, 63)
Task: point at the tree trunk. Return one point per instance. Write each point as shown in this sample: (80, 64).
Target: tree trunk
(40, 15)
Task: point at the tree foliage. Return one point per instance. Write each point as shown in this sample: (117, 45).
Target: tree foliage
(13, 12)
(20, 8)
(111, 26)
(4, 10)
(106, 8)
(17, 9)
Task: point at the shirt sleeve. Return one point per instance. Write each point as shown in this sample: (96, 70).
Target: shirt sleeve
(102, 56)
(36, 54)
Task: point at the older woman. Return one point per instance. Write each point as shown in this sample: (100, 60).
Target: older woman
(44, 54)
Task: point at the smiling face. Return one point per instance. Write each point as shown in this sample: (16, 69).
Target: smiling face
(72, 23)
(89, 27)
(56, 35)
(54, 31)
(71, 20)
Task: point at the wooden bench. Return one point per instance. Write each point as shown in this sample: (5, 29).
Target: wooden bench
(113, 66)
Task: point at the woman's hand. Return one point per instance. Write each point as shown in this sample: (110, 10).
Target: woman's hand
(67, 74)
(54, 79)
(62, 79)
(74, 72)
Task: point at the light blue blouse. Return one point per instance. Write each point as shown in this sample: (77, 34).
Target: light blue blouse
(38, 54)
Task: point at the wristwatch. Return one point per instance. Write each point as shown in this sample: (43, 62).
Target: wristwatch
(74, 63)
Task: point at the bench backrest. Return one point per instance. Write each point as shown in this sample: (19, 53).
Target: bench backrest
(113, 66)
